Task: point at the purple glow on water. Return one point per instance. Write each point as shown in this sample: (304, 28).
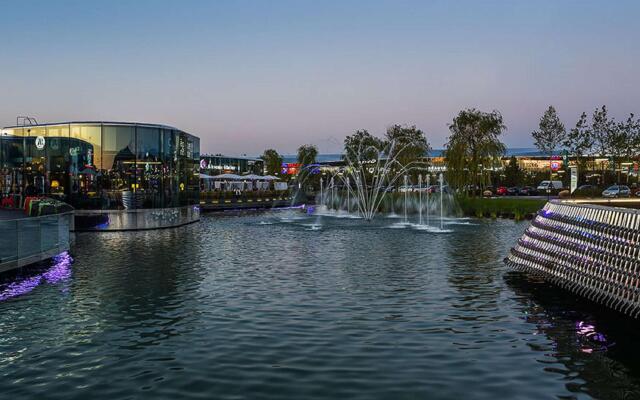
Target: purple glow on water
(60, 271)
(589, 332)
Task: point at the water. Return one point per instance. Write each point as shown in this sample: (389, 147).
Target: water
(262, 306)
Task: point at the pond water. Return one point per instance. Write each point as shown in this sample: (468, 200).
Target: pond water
(280, 305)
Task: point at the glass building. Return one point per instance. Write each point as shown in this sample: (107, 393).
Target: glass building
(102, 165)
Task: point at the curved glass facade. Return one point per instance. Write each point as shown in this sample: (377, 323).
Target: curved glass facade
(102, 165)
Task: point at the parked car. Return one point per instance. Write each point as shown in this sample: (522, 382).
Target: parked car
(528, 191)
(436, 189)
(549, 185)
(617, 191)
(513, 191)
(586, 187)
(502, 191)
(587, 191)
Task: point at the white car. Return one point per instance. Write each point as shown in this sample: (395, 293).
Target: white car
(549, 185)
(617, 191)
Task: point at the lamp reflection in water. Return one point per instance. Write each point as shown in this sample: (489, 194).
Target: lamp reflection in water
(58, 272)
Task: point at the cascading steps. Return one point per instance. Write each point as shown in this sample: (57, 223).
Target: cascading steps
(593, 251)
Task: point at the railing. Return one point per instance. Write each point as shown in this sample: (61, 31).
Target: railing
(29, 240)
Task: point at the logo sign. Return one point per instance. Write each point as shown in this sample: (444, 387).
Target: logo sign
(555, 165)
(290, 168)
(203, 164)
(40, 142)
(574, 179)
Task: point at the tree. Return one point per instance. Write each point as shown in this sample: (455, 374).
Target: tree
(601, 127)
(550, 134)
(407, 145)
(362, 146)
(272, 161)
(513, 172)
(307, 174)
(473, 146)
(579, 141)
(307, 154)
(623, 141)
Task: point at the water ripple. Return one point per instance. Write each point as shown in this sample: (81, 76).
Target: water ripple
(259, 306)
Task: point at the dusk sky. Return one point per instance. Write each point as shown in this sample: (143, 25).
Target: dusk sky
(249, 75)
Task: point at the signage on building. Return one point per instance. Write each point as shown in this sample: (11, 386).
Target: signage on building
(565, 159)
(40, 142)
(574, 179)
(555, 165)
(290, 168)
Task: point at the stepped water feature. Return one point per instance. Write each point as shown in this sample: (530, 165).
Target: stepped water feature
(591, 250)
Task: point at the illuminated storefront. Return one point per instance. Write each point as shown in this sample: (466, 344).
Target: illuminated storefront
(102, 165)
(218, 164)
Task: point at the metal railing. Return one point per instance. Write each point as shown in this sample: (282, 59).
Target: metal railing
(29, 240)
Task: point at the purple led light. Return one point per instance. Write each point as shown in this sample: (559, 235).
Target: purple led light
(58, 272)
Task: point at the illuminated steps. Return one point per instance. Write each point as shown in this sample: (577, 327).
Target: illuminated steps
(593, 251)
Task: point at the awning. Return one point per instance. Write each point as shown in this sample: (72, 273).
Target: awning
(252, 177)
(230, 177)
(270, 178)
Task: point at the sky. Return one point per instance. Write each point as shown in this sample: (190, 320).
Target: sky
(249, 75)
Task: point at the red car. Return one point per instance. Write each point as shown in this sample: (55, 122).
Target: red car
(502, 191)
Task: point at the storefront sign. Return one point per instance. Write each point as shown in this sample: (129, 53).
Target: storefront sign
(40, 142)
(290, 168)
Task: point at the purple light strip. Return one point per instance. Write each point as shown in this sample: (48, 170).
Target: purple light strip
(60, 271)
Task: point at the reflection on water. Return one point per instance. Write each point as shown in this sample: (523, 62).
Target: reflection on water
(59, 270)
(267, 306)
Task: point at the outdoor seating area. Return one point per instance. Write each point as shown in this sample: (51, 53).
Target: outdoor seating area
(240, 183)
(33, 206)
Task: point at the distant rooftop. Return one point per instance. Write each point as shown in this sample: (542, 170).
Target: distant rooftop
(516, 151)
(236, 157)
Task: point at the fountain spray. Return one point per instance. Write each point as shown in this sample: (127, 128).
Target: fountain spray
(428, 190)
(406, 192)
(420, 198)
(333, 194)
(348, 196)
(441, 178)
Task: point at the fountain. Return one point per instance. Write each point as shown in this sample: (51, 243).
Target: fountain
(441, 178)
(420, 199)
(428, 190)
(406, 193)
(369, 176)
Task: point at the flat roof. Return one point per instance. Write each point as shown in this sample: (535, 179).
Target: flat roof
(94, 123)
(234, 157)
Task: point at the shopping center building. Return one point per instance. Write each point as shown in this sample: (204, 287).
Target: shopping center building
(116, 175)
